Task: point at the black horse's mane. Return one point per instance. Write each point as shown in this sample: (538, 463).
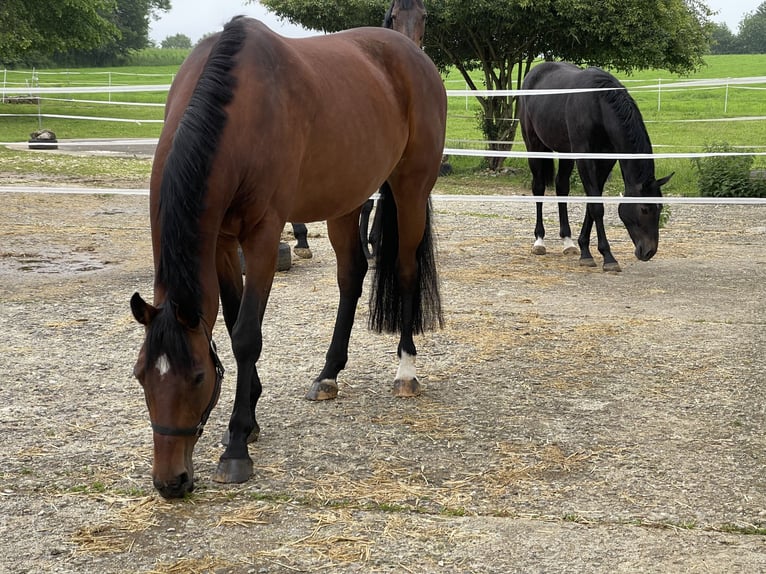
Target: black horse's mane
(182, 196)
(388, 21)
(627, 112)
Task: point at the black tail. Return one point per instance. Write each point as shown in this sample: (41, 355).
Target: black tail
(549, 171)
(187, 168)
(385, 297)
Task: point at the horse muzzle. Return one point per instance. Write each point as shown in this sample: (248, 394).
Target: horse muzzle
(175, 488)
(645, 252)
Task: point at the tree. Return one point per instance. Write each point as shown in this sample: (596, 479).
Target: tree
(722, 40)
(181, 41)
(502, 38)
(752, 32)
(131, 18)
(32, 27)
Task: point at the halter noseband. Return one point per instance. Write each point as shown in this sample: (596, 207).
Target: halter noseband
(219, 371)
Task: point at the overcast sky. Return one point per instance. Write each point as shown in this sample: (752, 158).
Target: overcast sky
(195, 18)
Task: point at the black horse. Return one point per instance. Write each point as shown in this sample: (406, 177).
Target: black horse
(602, 119)
(409, 18)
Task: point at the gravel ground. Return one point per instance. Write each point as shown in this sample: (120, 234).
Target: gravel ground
(572, 420)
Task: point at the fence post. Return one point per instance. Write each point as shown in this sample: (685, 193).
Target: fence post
(726, 97)
(659, 94)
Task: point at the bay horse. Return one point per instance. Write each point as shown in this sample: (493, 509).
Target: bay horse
(603, 121)
(409, 18)
(261, 130)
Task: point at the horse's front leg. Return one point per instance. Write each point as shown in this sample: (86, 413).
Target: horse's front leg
(260, 249)
(562, 190)
(610, 263)
(352, 267)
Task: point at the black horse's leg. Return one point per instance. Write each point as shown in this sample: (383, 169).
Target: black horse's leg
(594, 174)
(352, 267)
(301, 248)
(537, 166)
(562, 189)
(235, 464)
(364, 226)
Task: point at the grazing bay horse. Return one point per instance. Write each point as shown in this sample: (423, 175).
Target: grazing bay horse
(261, 130)
(409, 18)
(606, 120)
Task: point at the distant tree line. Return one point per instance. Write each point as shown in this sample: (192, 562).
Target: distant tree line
(750, 38)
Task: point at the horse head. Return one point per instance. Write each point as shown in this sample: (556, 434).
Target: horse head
(642, 220)
(407, 17)
(180, 373)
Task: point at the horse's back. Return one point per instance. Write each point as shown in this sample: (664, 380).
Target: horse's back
(308, 113)
(564, 122)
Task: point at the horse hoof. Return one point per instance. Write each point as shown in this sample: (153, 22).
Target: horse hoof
(407, 388)
(612, 267)
(323, 390)
(588, 262)
(252, 437)
(571, 251)
(303, 252)
(233, 470)
(538, 249)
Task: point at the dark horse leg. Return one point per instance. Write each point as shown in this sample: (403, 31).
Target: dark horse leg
(542, 173)
(352, 267)
(301, 248)
(244, 319)
(593, 174)
(562, 189)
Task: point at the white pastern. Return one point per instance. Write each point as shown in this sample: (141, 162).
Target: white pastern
(407, 370)
(162, 365)
(539, 242)
(569, 243)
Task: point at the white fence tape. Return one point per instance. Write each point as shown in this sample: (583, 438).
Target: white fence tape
(437, 197)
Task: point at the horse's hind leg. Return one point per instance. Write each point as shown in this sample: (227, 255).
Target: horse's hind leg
(538, 168)
(562, 189)
(352, 267)
(301, 234)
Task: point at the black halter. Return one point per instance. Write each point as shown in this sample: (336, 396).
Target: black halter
(219, 371)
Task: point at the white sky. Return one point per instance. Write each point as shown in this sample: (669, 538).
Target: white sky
(195, 18)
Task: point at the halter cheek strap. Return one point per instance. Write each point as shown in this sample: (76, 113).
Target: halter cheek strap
(219, 372)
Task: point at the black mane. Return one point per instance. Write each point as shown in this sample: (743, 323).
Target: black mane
(187, 168)
(182, 198)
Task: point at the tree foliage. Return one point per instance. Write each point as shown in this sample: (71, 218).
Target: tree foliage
(752, 32)
(502, 38)
(36, 29)
(89, 32)
(177, 41)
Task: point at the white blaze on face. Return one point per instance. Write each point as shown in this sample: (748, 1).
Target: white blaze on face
(406, 371)
(162, 365)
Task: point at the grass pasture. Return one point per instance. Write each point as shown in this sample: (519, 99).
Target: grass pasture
(679, 118)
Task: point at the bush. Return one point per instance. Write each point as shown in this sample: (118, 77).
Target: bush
(727, 176)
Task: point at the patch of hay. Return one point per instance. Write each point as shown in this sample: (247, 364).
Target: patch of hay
(117, 535)
(249, 514)
(203, 565)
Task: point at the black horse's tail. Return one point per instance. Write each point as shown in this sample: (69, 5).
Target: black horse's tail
(187, 169)
(385, 297)
(549, 171)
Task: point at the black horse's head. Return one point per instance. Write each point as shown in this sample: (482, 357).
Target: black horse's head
(407, 17)
(642, 220)
(181, 375)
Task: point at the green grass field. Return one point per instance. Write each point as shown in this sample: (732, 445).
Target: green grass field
(667, 112)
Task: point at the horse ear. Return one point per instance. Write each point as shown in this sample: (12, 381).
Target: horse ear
(188, 319)
(142, 311)
(664, 180)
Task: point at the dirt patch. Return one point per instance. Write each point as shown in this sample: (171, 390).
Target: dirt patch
(573, 420)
